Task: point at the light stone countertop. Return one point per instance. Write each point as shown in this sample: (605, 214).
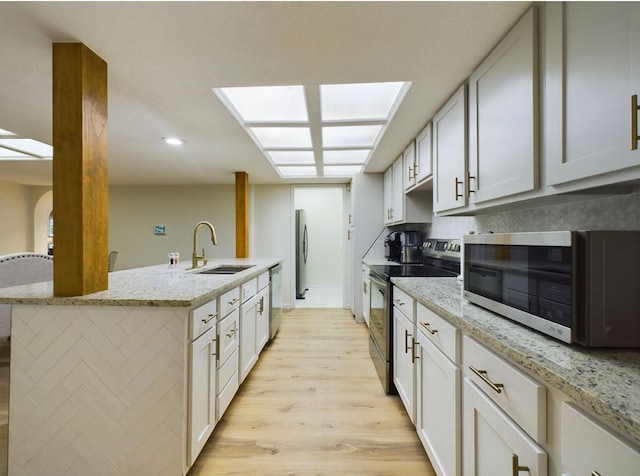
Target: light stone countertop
(158, 286)
(605, 382)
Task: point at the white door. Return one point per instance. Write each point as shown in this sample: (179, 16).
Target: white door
(592, 70)
(438, 419)
(493, 444)
(403, 358)
(450, 153)
(248, 318)
(202, 392)
(503, 116)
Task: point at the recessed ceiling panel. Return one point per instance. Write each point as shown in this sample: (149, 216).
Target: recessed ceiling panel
(301, 171)
(370, 101)
(8, 154)
(268, 104)
(346, 156)
(282, 137)
(350, 136)
(293, 157)
(341, 170)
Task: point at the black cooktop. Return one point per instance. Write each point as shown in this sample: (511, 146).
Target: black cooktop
(411, 271)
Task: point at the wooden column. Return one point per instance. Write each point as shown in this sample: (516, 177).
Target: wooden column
(242, 215)
(80, 171)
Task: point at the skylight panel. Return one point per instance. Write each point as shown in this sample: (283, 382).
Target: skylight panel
(8, 154)
(293, 157)
(28, 146)
(346, 156)
(267, 104)
(341, 170)
(4, 132)
(302, 171)
(282, 137)
(364, 101)
(350, 136)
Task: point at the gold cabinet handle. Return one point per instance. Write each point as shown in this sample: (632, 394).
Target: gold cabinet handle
(429, 330)
(209, 317)
(233, 301)
(414, 357)
(595, 473)
(406, 337)
(416, 168)
(496, 387)
(457, 183)
(515, 466)
(469, 179)
(398, 302)
(261, 310)
(231, 334)
(411, 174)
(634, 122)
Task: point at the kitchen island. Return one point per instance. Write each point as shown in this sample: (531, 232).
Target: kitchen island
(604, 383)
(100, 383)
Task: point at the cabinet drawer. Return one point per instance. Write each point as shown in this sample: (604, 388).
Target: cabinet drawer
(226, 395)
(228, 336)
(405, 303)
(263, 280)
(517, 394)
(203, 318)
(588, 447)
(444, 335)
(249, 289)
(229, 301)
(228, 370)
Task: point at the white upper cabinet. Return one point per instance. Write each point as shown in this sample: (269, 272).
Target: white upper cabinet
(397, 210)
(450, 153)
(409, 159)
(388, 196)
(503, 117)
(423, 153)
(592, 70)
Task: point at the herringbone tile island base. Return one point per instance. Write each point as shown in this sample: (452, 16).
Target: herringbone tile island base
(313, 405)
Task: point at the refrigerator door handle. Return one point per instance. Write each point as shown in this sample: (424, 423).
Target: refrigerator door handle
(305, 244)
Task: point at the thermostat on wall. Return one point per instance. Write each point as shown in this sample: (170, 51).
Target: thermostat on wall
(160, 230)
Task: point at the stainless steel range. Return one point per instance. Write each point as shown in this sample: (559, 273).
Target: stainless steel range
(440, 258)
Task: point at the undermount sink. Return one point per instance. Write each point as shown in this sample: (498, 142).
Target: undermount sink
(226, 269)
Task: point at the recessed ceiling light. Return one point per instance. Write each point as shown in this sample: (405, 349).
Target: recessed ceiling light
(267, 104)
(346, 156)
(282, 137)
(368, 101)
(173, 140)
(292, 157)
(301, 171)
(341, 170)
(350, 136)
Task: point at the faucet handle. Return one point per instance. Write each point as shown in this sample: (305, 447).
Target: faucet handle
(204, 258)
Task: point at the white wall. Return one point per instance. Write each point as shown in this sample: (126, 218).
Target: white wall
(326, 228)
(16, 222)
(271, 230)
(134, 212)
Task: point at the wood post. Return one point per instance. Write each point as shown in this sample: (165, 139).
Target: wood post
(242, 215)
(80, 171)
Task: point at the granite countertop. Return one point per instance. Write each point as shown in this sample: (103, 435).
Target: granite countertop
(159, 285)
(605, 382)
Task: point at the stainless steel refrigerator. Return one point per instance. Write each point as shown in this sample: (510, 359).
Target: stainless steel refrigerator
(302, 251)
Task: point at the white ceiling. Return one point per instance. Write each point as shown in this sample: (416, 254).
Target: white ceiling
(164, 58)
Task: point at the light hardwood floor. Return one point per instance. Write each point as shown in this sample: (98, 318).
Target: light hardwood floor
(313, 405)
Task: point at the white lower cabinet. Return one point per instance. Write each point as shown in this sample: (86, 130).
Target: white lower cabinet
(262, 320)
(438, 407)
(248, 354)
(202, 392)
(493, 444)
(228, 344)
(404, 357)
(590, 449)
(366, 288)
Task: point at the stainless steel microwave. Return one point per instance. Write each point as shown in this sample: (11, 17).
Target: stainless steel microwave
(577, 286)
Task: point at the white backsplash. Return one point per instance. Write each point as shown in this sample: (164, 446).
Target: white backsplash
(621, 212)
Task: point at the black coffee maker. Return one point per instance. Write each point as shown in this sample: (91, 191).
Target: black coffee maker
(393, 246)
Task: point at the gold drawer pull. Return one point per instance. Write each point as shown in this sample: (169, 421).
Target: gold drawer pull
(233, 301)
(406, 337)
(458, 194)
(429, 330)
(398, 302)
(634, 122)
(414, 357)
(595, 473)
(515, 466)
(231, 334)
(210, 316)
(496, 387)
